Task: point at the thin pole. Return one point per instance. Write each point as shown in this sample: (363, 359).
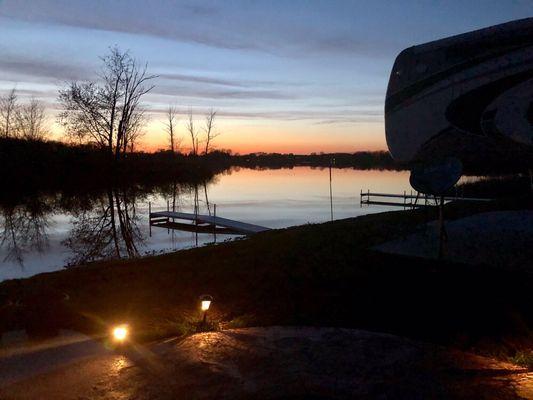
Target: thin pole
(330, 193)
(442, 232)
(215, 222)
(196, 210)
(150, 217)
(168, 219)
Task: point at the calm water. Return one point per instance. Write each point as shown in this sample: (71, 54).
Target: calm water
(50, 232)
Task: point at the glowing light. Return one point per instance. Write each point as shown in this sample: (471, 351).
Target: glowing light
(205, 305)
(120, 333)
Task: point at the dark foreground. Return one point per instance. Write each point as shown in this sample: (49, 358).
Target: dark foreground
(315, 275)
(274, 363)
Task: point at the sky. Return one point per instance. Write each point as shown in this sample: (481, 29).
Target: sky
(284, 76)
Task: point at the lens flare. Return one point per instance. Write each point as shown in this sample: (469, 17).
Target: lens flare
(120, 333)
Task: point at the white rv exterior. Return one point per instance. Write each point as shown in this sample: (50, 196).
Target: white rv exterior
(471, 86)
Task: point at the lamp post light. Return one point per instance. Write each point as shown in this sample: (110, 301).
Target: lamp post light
(120, 333)
(205, 303)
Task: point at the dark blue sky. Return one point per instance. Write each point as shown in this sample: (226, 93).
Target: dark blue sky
(285, 75)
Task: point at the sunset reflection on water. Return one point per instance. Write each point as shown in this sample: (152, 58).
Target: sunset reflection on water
(274, 198)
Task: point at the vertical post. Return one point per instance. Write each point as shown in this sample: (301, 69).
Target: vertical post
(215, 222)
(168, 219)
(150, 217)
(361, 198)
(330, 192)
(441, 228)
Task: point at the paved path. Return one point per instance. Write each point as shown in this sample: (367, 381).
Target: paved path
(263, 363)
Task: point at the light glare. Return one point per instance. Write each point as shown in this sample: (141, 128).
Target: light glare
(205, 305)
(120, 333)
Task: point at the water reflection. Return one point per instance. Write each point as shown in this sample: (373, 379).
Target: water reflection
(24, 228)
(107, 230)
(176, 196)
(48, 231)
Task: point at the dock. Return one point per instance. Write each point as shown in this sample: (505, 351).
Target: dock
(405, 200)
(203, 223)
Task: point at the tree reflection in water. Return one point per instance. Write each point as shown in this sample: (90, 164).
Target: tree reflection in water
(110, 229)
(24, 228)
(103, 225)
(176, 194)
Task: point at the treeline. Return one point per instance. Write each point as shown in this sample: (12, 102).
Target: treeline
(49, 165)
(360, 160)
(32, 165)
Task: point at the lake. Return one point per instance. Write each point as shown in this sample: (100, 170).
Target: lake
(48, 232)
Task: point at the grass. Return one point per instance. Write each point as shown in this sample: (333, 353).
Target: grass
(523, 358)
(321, 275)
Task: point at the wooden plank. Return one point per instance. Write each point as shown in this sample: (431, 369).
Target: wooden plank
(422, 196)
(187, 227)
(238, 226)
(390, 203)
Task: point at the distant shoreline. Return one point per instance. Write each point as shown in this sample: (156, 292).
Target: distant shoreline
(36, 166)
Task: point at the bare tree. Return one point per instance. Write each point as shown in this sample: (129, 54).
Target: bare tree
(31, 120)
(170, 127)
(135, 132)
(193, 134)
(8, 107)
(107, 112)
(209, 129)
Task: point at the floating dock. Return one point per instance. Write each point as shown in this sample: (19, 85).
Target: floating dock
(413, 200)
(203, 223)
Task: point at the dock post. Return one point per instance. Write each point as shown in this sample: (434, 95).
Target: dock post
(330, 193)
(215, 222)
(360, 198)
(150, 217)
(442, 229)
(168, 219)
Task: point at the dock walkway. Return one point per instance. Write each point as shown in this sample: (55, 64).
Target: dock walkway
(413, 200)
(160, 217)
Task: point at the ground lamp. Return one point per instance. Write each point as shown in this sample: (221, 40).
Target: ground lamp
(120, 333)
(205, 302)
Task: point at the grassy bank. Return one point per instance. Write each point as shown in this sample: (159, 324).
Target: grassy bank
(322, 275)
